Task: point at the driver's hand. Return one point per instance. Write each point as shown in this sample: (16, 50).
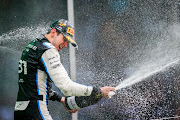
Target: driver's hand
(105, 90)
(71, 111)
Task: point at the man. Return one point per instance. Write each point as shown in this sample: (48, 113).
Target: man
(40, 67)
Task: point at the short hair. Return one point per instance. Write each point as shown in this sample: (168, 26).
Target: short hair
(49, 30)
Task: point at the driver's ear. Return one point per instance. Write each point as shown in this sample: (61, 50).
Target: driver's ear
(53, 32)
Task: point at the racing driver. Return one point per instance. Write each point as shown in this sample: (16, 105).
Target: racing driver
(40, 67)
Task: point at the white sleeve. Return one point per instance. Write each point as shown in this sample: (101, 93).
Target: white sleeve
(59, 76)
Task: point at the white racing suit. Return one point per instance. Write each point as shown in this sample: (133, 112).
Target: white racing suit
(39, 67)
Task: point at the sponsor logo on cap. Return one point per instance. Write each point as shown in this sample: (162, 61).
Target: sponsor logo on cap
(70, 31)
(70, 39)
(61, 24)
(59, 28)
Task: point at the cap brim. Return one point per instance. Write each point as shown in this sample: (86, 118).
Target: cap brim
(71, 40)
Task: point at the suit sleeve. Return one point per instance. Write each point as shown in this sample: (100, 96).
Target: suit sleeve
(57, 73)
(75, 102)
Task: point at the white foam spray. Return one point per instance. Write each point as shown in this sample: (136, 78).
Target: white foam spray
(161, 52)
(142, 75)
(17, 38)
